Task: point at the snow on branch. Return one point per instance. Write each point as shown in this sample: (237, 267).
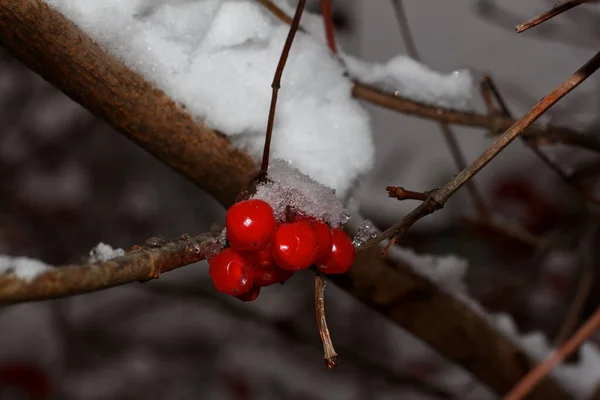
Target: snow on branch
(26, 280)
(67, 57)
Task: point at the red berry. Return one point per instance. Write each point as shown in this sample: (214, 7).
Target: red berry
(261, 259)
(324, 241)
(231, 273)
(342, 254)
(295, 246)
(250, 225)
(249, 296)
(283, 275)
(265, 277)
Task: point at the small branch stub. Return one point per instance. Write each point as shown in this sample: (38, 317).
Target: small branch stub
(402, 194)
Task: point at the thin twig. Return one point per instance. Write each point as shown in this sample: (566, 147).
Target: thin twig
(583, 289)
(489, 84)
(439, 197)
(329, 26)
(139, 264)
(330, 355)
(277, 84)
(400, 193)
(537, 374)
(446, 131)
(495, 124)
(556, 10)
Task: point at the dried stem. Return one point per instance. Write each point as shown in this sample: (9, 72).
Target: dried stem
(439, 197)
(488, 83)
(449, 136)
(139, 264)
(557, 9)
(277, 84)
(400, 193)
(330, 355)
(535, 376)
(329, 26)
(495, 124)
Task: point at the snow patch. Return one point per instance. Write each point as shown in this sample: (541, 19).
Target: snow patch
(104, 252)
(24, 268)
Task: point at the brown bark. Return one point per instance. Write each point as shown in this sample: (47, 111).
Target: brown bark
(53, 47)
(140, 264)
(69, 59)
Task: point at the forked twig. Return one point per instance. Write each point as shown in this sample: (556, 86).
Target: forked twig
(439, 197)
(277, 84)
(446, 131)
(556, 10)
(330, 355)
(538, 373)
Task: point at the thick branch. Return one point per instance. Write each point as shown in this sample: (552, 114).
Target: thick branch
(54, 48)
(439, 319)
(140, 264)
(50, 45)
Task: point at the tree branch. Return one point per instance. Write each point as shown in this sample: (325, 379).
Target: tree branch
(139, 264)
(556, 10)
(50, 45)
(68, 58)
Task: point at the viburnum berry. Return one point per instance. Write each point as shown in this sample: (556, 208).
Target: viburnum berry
(294, 246)
(342, 254)
(231, 273)
(250, 225)
(250, 295)
(261, 258)
(324, 241)
(268, 277)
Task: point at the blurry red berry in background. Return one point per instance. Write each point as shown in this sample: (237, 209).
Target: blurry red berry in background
(28, 378)
(250, 225)
(261, 258)
(295, 246)
(342, 254)
(231, 273)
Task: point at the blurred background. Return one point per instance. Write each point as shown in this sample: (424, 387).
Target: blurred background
(69, 181)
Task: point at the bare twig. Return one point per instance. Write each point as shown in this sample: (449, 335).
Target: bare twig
(556, 10)
(535, 376)
(488, 83)
(329, 26)
(583, 289)
(400, 193)
(439, 197)
(446, 131)
(277, 84)
(495, 124)
(140, 264)
(330, 356)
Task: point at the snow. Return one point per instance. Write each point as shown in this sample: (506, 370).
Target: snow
(104, 252)
(24, 268)
(217, 58)
(408, 78)
(287, 186)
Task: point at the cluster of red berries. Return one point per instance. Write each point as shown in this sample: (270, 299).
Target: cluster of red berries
(263, 251)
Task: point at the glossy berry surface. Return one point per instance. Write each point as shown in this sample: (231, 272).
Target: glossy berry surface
(231, 273)
(324, 241)
(295, 246)
(262, 258)
(342, 254)
(250, 225)
(265, 277)
(250, 295)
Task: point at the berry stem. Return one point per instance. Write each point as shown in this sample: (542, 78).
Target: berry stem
(277, 84)
(329, 352)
